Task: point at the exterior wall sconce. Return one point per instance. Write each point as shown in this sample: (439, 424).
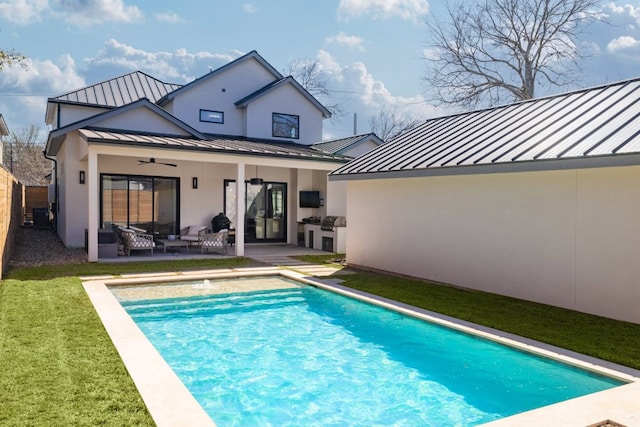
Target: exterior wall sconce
(194, 182)
(81, 177)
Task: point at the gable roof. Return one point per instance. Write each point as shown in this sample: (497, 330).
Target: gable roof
(342, 144)
(251, 55)
(57, 136)
(119, 91)
(222, 144)
(277, 84)
(592, 127)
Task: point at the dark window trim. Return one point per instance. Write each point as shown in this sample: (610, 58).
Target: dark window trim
(221, 121)
(130, 176)
(273, 126)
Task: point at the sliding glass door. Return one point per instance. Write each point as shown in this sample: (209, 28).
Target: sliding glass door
(265, 216)
(149, 204)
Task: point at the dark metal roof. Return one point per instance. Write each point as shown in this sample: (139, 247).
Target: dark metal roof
(120, 91)
(338, 145)
(546, 133)
(215, 144)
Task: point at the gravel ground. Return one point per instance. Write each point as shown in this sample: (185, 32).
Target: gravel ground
(36, 247)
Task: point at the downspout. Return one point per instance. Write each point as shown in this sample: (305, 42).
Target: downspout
(55, 189)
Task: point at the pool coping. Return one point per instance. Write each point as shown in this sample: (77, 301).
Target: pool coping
(170, 403)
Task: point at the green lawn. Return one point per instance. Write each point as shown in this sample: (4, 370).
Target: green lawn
(60, 368)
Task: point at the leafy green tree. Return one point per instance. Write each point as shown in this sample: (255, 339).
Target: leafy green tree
(10, 57)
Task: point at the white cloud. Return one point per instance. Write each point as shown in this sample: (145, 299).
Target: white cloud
(623, 43)
(176, 66)
(169, 17)
(329, 65)
(23, 11)
(367, 95)
(344, 39)
(85, 13)
(409, 10)
(27, 91)
(626, 10)
(249, 8)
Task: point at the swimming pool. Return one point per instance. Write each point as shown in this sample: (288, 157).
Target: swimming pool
(365, 365)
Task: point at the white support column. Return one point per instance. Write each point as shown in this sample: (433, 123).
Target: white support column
(93, 205)
(240, 210)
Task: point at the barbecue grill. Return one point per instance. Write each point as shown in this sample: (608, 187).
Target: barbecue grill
(329, 223)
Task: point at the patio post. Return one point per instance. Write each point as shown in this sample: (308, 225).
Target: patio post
(92, 205)
(240, 210)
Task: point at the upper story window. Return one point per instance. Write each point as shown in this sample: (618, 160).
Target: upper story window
(211, 116)
(286, 125)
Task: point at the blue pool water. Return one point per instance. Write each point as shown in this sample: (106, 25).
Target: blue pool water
(303, 356)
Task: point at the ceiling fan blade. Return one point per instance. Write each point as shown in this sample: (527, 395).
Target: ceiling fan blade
(152, 160)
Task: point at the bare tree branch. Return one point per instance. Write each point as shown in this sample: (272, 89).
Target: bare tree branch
(494, 49)
(311, 77)
(389, 124)
(23, 156)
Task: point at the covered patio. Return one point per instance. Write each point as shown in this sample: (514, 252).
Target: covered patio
(202, 177)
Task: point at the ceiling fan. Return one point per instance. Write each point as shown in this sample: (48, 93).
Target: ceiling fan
(153, 160)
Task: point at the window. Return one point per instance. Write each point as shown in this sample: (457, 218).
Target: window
(211, 116)
(286, 125)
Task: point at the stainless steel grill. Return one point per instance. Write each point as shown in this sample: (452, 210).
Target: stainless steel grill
(329, 223)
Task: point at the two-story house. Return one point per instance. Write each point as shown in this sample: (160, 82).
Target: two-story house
(138, 152)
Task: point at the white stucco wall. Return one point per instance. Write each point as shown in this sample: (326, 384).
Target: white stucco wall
(285, 100)
(72, 195)
(219, 93)
(566, 238)
(73, 113)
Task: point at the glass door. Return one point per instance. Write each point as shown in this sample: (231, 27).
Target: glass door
(265, 215)
(148, 204)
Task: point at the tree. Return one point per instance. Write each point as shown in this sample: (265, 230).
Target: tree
(311, 77)
(492, 49)
(9, 57)
(389, 124)
(23, 156)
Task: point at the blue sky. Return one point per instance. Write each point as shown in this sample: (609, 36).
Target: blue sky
(372, 50)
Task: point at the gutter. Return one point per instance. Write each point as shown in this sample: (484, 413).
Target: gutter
(55, 189)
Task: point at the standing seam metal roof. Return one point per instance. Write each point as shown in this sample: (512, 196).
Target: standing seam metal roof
(216, 143)
(337, 145)
(599, 121)
(120, 91)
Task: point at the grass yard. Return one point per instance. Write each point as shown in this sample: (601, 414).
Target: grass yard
(60, 368)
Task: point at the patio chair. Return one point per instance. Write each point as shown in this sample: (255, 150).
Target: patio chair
(134, 241)
(214, 241)
(193, 234)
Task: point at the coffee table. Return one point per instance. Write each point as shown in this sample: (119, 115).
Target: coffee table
(177, 243)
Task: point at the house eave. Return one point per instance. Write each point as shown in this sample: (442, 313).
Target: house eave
(632, 159)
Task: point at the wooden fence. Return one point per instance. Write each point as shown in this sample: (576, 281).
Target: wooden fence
(34, 197)
(11, 215)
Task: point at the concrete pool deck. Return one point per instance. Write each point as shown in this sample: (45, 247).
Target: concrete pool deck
(171, 404)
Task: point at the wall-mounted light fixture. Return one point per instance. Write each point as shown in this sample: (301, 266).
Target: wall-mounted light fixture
(194, 182)
(81, 177)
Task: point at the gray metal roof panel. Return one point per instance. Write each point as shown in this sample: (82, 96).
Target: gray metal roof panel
(119, 91)
(336, 145)
(599, 121)
(215, 143)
